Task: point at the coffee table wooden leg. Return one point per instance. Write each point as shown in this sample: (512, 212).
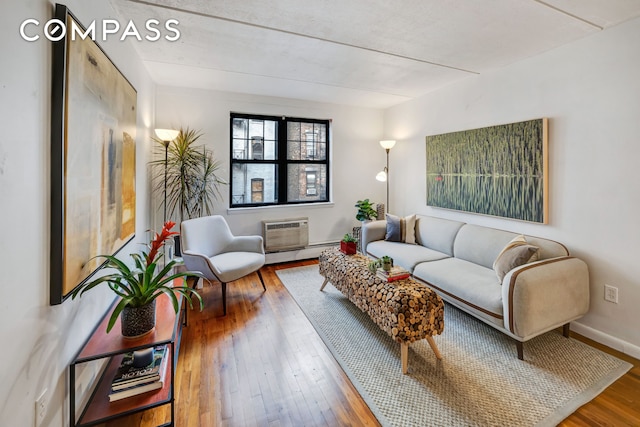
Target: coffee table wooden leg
(434, 347)
(404, 356)
(326, 280)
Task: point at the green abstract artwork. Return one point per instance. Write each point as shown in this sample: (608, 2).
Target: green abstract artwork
(498, 170)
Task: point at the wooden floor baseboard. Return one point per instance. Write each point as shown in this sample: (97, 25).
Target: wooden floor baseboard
(264, 365)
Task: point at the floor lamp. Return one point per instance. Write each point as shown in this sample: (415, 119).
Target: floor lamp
(166, 136)
(384, 174)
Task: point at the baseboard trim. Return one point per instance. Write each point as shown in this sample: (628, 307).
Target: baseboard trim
(606, 339)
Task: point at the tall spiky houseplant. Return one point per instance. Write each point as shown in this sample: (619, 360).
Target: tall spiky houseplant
(193, 181)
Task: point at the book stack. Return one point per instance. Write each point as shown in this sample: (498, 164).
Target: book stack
(396, 273)
(131, 380)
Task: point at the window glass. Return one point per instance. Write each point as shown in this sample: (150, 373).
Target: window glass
(248, 178)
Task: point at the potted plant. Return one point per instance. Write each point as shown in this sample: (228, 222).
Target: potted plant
(366, 212)
(374, 265)
(348, 244)
(386, 262)
(138, 287)
(192, 180)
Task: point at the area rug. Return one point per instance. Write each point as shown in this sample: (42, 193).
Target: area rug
(479, 382)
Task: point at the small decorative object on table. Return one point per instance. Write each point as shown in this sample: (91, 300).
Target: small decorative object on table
(139, 287)
(386, 262)
(348, 244)
(128, 382)
(395, 273)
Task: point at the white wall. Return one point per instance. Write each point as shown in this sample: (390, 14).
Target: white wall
(355, 153)
(39, 340)
(590, 90)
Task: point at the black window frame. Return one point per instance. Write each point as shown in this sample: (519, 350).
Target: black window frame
(281, 161)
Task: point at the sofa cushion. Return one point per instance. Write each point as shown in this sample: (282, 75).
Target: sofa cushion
(480, 245)
(513, 257)
(510, 258)
(437, 233)
(401, 229)
(406, 256)
(474, 286)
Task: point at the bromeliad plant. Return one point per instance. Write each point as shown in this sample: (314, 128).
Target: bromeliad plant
(141, 285)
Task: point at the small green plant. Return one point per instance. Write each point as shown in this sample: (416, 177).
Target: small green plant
(348, 238)
(365, 210)
(374, 265)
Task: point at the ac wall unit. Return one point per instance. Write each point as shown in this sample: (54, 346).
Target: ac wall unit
(280, 235)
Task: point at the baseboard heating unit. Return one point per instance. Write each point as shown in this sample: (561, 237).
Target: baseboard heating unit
(286, 234)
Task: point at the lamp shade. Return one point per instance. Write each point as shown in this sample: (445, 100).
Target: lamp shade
(167, 134)
(381, 176)
(388, 144)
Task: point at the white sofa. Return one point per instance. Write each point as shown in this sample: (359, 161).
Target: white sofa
(456, 260)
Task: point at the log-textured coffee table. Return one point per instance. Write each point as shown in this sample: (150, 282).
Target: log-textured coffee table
(405, 309)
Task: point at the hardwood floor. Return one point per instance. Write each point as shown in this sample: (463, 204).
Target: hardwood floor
(264, 365)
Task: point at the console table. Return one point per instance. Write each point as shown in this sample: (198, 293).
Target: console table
(112, 346)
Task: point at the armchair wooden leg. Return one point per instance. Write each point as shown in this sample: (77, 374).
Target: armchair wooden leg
(565, 329)
(261, 279)
(224, 298)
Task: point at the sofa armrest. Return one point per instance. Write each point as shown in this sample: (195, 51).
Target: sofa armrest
(372, 231)
(540, 296)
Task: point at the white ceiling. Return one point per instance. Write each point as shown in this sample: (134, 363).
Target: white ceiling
(373, 53)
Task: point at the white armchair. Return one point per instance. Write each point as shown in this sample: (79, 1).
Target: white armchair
(208, 246)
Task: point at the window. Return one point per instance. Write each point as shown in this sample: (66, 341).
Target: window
(278, 160)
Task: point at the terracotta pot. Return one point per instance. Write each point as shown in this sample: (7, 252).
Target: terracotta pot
(138, 321)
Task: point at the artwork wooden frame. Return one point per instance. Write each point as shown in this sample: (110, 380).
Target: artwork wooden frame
(93, 129)
(498, 170)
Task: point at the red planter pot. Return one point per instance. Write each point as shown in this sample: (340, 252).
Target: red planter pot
(348, 248)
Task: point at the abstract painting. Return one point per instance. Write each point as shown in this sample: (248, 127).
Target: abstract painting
(93, 197)
(499, 170)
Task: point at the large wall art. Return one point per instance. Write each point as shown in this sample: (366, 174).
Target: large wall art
(93, 129)
(498, 170)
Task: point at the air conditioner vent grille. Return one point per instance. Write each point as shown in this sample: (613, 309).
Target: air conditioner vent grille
(285, 234)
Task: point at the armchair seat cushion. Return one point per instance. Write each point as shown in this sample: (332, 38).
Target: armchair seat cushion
(231, 266)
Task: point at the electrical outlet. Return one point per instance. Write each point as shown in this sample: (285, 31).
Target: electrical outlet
(611, 294)
(41, 408)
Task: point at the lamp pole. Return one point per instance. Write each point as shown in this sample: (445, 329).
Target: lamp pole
(384, 175)
(386, 169)
(166, 163)
(166, 136)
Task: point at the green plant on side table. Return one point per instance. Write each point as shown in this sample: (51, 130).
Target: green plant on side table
(348, 244)
(366, 212)
(386, 262)
(139, 287)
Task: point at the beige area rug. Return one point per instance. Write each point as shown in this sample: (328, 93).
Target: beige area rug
(480, 381)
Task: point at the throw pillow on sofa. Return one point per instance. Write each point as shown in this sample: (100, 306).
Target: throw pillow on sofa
(401, 229)
(516, 253)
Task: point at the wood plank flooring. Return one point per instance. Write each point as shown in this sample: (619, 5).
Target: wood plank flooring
(264, 365)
